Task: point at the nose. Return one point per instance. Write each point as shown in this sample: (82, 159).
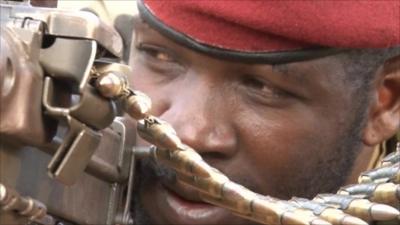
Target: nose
(197, 112)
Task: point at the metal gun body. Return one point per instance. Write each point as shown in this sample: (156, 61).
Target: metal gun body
(39, 44)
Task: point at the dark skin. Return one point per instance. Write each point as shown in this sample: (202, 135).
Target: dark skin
(267, 127)
(44, 3)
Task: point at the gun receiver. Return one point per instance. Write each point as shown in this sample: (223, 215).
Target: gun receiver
(46, 58)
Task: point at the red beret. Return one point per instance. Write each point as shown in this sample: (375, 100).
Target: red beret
(276, 30)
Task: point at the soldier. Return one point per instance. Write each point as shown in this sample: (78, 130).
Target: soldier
(288, 98)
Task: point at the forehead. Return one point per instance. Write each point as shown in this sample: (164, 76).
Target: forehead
(329, 67)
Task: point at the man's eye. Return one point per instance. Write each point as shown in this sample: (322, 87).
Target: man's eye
(161, 61)
(253, 83)
(156, 53)
(262, 90)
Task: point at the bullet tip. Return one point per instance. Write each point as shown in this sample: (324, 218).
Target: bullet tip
(383, 212)
(350, 220)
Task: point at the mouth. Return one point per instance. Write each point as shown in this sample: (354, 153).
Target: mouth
(168, 200)
(181, 205)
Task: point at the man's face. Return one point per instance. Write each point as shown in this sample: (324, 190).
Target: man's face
(284, 130)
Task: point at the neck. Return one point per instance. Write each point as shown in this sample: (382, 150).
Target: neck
(367, 159)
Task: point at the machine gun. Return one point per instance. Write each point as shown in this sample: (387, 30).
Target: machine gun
(53, 122)
(63, 87)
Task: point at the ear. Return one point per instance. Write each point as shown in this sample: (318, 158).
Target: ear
(384, 114)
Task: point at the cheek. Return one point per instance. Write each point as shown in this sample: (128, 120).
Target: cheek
(279, 145)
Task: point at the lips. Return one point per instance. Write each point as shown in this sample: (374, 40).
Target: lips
(167, 200)
(182, 205)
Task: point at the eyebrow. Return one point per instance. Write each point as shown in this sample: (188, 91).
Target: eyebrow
(285, 70)
(282, 68)
(288, 72)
